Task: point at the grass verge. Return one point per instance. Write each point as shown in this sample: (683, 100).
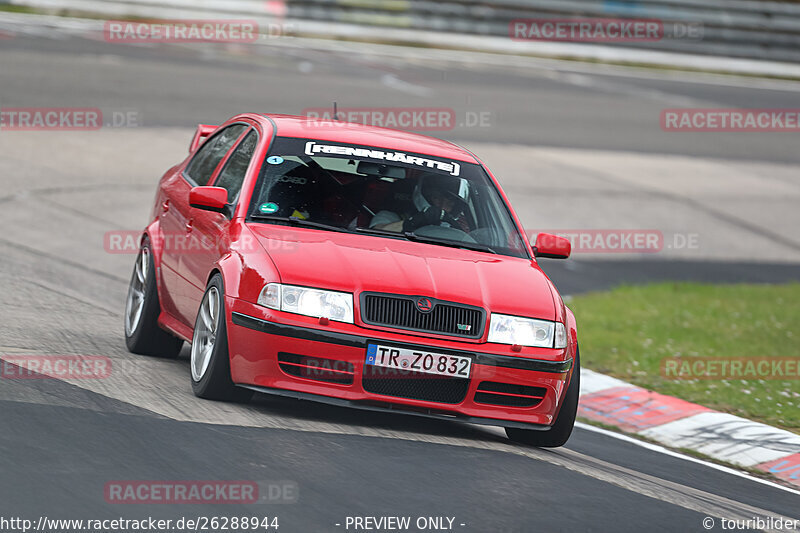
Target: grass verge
(629, 331)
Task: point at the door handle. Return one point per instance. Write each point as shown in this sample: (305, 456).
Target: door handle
(189, 227)
(165, 206)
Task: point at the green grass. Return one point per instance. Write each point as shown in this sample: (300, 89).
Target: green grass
(66, 12)
(8, 8)
(628, 331)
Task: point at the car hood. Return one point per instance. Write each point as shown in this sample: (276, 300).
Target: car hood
(358, 263)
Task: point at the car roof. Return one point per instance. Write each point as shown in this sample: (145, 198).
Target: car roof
(360, 134)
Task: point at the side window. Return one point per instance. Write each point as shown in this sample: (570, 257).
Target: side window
(205, 161)
(232, 174)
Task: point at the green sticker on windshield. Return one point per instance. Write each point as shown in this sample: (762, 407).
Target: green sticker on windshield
(268, 208)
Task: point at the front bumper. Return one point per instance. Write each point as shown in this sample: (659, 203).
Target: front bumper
(259, 346)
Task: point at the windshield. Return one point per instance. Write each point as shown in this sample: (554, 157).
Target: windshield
(340, 187)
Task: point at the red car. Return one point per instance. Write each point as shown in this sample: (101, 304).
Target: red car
(358, 266)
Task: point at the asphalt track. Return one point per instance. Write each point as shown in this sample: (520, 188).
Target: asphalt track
(63, 293)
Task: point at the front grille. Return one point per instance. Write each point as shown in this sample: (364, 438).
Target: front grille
(401, 312)
(414, 385)
(493, 393)
(316, 368)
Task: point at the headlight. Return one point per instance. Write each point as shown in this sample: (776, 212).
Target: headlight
(506, 329)
(306, 301)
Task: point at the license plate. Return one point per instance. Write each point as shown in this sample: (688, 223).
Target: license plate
(414, 360)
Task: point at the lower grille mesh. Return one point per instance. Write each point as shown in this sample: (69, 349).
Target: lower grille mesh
(414, 385)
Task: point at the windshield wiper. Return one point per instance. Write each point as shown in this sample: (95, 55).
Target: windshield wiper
(382, 232)
(299, 222)
(410, 235)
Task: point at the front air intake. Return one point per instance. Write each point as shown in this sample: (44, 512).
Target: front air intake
(316, 368)
(509, 395)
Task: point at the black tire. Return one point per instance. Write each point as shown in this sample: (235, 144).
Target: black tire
(560, 431)
(215, 382)
(145, 336)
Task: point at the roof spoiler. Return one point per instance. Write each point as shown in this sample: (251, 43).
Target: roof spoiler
(203, 131)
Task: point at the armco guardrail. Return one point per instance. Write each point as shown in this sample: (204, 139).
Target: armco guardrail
(735, 28)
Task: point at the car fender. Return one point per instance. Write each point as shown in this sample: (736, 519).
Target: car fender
(572, 329)
(231, 267)
(565, 315)
(153, 233)
(247, 266)
(572, 339)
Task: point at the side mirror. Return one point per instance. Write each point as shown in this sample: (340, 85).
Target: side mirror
(551, 246)
(209, 198)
